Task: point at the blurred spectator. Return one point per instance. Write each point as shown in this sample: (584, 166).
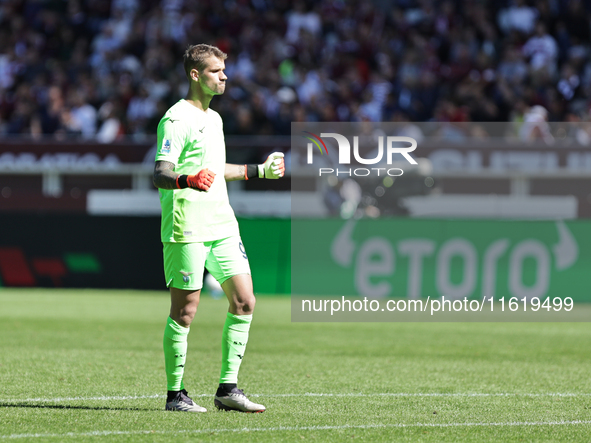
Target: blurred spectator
(83, 115)
(111, 127)
(50, 113)
(569, 82)
(535, 126)
(541, 50)
(141, 108)
(512, 67)
(299, 19)
(518, 17)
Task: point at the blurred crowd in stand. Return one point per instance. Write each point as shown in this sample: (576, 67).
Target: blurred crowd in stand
(109, 69)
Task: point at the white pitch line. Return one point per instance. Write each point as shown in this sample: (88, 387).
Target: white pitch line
(312, 394)
(297, 428)
(418, 394)
(59, 399)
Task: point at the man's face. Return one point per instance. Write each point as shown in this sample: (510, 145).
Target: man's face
(212, 77)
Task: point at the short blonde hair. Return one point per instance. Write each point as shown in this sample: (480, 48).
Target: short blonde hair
(195, 57)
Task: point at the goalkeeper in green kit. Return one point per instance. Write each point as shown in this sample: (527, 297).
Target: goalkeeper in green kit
(199, 229)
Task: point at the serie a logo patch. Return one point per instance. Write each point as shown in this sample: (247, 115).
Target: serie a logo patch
(165, 147)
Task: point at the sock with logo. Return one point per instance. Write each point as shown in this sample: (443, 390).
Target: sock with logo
(234, 339)
(175, 354)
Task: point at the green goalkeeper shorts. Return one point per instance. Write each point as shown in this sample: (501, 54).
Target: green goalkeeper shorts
(184, 262)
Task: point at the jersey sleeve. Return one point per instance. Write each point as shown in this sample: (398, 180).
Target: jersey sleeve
(171, 140)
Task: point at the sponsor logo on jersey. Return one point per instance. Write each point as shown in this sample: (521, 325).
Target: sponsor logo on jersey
(165, 147)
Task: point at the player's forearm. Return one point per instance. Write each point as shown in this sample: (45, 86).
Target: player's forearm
(234, 172)
(166, 178)
(164, 175)
(274, 167)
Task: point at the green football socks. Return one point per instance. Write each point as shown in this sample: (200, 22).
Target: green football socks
(234, 339)
(175, 354)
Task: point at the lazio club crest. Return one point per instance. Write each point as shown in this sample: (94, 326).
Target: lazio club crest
(186, 276)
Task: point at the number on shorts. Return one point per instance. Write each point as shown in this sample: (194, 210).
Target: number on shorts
(241, 246)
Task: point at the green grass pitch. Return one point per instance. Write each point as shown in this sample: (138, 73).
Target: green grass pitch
(82, 365)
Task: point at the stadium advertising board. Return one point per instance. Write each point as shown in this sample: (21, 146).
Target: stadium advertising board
(80, 251)
(451, 258)
(70, 154)
(428, 261)
(519, 245)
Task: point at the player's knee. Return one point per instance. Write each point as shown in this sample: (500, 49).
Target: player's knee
(187, 314)
(245, 305)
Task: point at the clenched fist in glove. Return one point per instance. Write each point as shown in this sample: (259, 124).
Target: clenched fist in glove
(274, 166)
(201, 181)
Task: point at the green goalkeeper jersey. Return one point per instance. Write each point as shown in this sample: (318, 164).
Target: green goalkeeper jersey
(193, 140)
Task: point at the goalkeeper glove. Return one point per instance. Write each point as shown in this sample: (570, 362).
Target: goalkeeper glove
(200, 181)
(274, 166)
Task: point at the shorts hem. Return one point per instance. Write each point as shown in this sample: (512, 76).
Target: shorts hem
(233, 275)
(171, 284)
